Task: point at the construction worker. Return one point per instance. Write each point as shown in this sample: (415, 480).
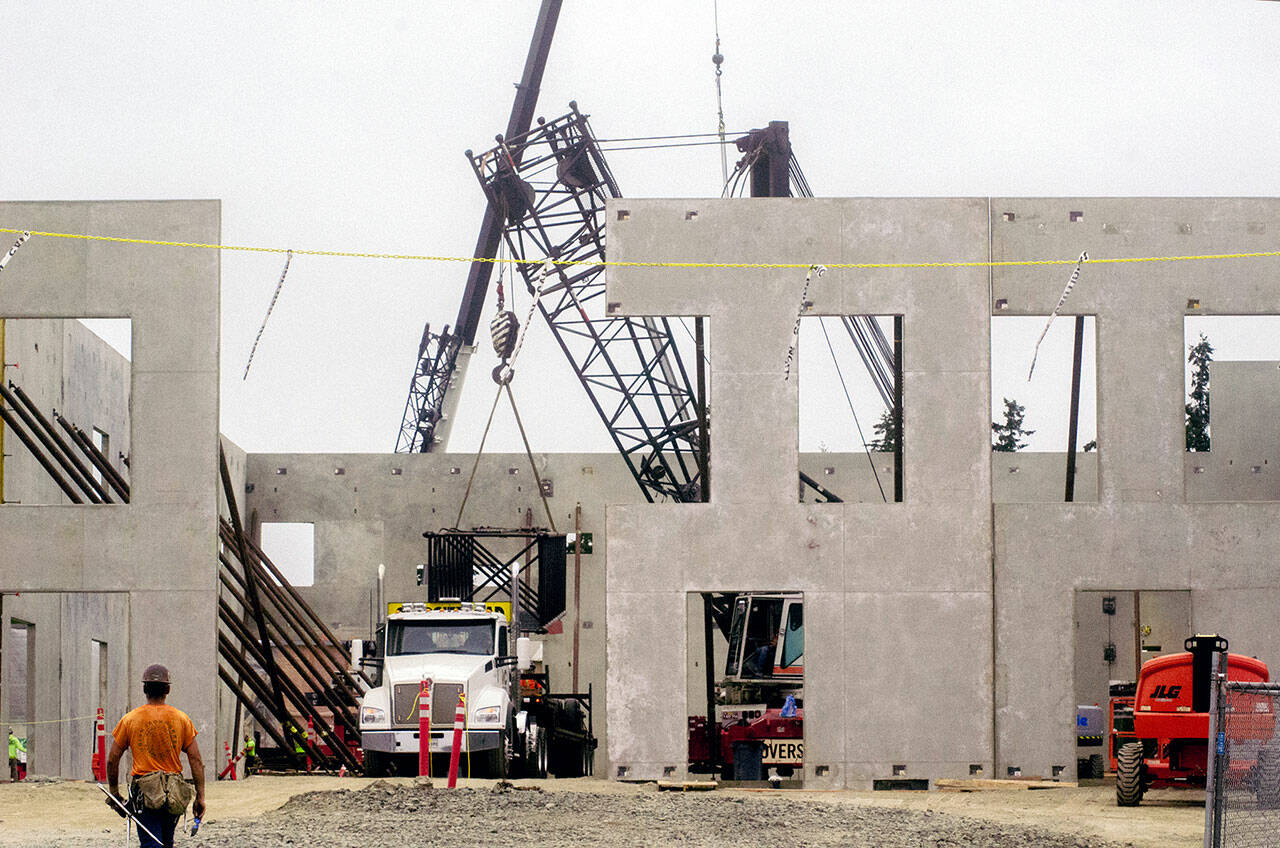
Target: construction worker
(15, 746)
(157, 734)
(250, 755)
(298, 737)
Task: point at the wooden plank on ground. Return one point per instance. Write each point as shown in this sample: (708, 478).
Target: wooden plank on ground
(686, 785)
(987, 785)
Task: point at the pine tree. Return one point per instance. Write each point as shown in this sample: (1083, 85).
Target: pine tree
(886, 434)
(1009, 435)
(1200, 355)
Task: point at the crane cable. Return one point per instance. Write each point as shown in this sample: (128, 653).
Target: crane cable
(502, 375)
(865, 447)
(717, 59)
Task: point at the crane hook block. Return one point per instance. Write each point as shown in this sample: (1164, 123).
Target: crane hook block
(504, 328)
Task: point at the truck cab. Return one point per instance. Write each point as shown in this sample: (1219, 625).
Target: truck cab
(464, 653)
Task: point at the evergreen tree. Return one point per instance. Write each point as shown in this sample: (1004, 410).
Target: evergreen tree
(1009, 435)
(886, 434)
(1200, 355)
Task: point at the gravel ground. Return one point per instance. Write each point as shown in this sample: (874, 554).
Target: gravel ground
(382, 814)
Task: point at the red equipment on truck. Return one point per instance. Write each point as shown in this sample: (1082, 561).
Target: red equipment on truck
(1171, 719)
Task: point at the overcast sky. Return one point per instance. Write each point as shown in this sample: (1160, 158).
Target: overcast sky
(342, 126)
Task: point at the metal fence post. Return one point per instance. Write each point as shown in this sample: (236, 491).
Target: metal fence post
(1217, 749)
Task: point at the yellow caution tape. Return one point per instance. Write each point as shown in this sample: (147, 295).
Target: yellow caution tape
(991, 263)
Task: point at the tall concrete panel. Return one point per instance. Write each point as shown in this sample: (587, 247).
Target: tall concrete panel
(1145, 532)
(884, 580)
(160, 549)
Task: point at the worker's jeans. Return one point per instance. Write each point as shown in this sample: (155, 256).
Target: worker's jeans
(13, 769)
(160, 823)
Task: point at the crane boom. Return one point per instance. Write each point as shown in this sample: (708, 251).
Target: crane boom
(438, 354)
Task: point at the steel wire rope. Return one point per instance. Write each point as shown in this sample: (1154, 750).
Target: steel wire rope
(662, 137)
(862, 438)
(662, 146)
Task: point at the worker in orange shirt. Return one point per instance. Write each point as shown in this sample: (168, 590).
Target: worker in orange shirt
(157, 734)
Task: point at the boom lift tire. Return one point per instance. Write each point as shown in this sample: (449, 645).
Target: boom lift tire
(1267, 777)
(1129, 775)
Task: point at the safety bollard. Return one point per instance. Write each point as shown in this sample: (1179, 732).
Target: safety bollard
(459, 719)
(424, 729)
(311, 736)
(99, 759)
(231, 763)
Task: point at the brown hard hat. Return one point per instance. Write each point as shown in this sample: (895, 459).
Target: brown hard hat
(155, 674)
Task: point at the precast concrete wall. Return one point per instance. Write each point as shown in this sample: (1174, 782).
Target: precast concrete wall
(1146, 531)
(159, 552)
(897, 595)
(940, 629)
(371, 509)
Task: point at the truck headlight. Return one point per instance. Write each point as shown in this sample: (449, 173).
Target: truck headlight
(487, 715)
(372, 715)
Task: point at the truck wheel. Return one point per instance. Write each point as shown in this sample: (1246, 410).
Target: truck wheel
(534, 758)
(375, 764)
(1267, 777)
(540, 754)
(1095, 766)
(499, 765)
(1129, 775)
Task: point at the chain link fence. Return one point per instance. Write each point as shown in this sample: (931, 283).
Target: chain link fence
(1242, 805)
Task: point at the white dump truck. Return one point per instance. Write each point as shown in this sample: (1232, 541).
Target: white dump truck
(513, 721)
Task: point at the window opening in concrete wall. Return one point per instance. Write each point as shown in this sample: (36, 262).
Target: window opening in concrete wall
(292, 547)
(1231, 401)
(65, 388)
(745, 686)
(1116, 631)
(1032, 419)
(848, 427)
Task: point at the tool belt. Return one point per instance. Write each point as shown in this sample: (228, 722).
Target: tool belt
(163, 791)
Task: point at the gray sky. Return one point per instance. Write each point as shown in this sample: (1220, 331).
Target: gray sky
(342, 126)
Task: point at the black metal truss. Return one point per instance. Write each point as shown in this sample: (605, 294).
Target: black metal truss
(461, 565)
(551, 185)
(432, 378)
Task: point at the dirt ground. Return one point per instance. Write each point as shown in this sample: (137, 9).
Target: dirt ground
(280, 811)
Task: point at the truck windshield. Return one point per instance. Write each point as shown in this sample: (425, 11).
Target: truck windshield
(440, 637)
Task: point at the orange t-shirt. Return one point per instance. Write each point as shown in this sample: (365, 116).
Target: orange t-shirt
(157, 734)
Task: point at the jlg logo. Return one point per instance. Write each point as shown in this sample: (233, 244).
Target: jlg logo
(1166, 693)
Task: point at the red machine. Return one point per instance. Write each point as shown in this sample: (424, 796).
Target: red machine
(771, 741)
(1170, 742)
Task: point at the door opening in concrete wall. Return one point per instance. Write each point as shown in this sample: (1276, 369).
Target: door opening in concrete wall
(1116, 631)
(848, 414)
(65, 388)
(292, 548)
(1044, 429)
(17, 701)
(745, 686)
(1232, 407)
(98, 671)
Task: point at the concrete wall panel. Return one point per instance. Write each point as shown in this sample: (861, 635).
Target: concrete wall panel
(162, 546)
